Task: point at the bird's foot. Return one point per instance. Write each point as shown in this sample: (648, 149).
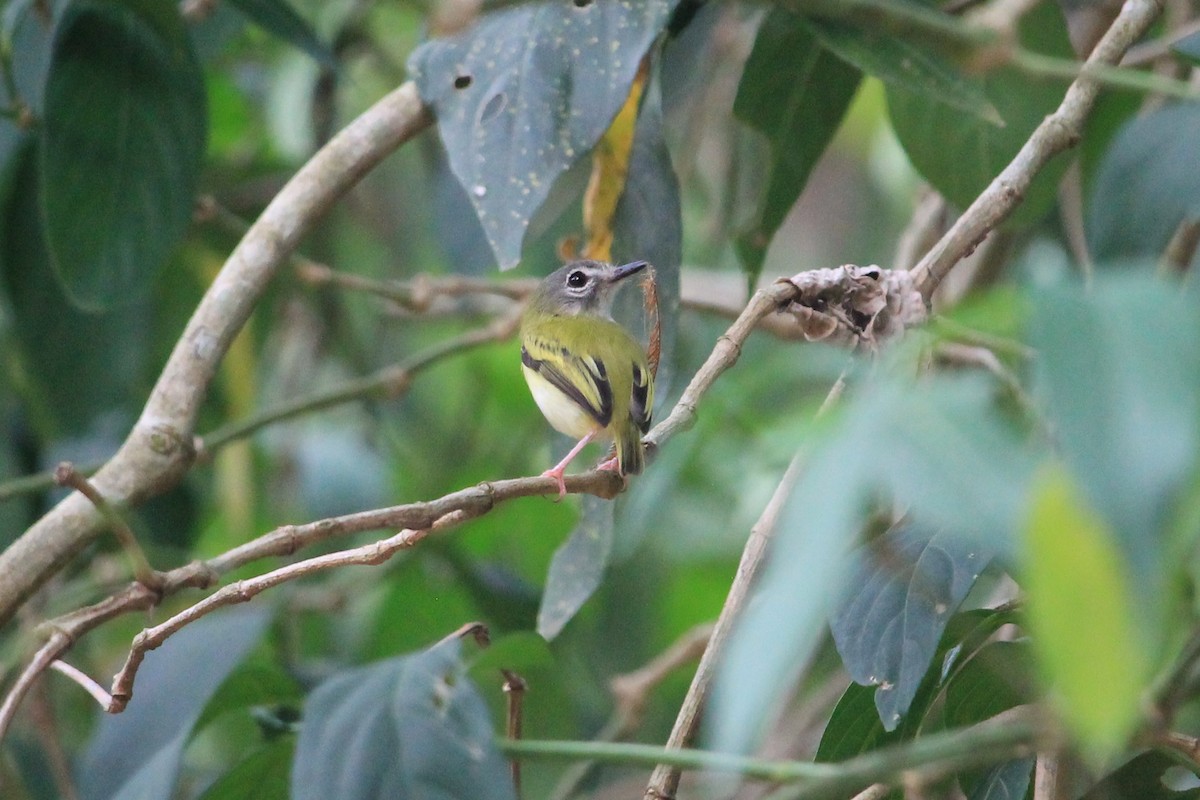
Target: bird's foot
(557, 474)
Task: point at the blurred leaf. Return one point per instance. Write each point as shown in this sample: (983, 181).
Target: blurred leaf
(960, 154)
(1081, 619)
(928, 445)
(516, 107)
(78, 373)
(517, 651)
(577, 567)
(904, 587)
(1148, 182)
(412, 726)
(1118, 371)
(261, 776)
(899, 62)
(1188, 47)
(279, 18)
(1145, 777)
(648, 225)
(122, 139)
(795, 93)
(136, 754)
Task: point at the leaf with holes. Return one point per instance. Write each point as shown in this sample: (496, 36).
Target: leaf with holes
(412, 726)
(526, 93)
(122, 138)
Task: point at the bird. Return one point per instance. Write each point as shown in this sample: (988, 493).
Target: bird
(589, 376)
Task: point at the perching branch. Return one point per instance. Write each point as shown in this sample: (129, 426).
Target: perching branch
(158, 451)
(1057, 132)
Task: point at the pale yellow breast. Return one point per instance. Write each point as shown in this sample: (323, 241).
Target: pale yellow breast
(563, 414)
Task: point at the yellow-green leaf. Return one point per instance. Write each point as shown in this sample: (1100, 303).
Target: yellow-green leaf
(1081, 616)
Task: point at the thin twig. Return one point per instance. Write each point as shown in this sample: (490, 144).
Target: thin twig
(631, 692)
(1148, 52)
(98, 692)
(1058, 132)
(65, 474)
(390, 382)
(514, 689)
(1012, 733)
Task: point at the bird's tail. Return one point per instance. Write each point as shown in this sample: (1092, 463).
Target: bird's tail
(631, 455)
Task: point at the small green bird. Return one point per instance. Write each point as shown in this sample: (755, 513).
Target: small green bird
(589, 376)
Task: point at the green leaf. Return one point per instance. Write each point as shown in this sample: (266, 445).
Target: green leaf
(1118, 369)
(795, 93)
(1148, 182)
(1081, 619)
(898, 62)
(960, 154)
(255, 683)
(122, 140)
(853, 727)
(1007, 781)
(77, 373)
(279, 18)
(577, 567)
(412, 726)
(261, 776)
(995, 679)
(137, 753)
(904, 587)
(526, 93)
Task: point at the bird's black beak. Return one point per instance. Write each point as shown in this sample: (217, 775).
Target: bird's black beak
(625, 270)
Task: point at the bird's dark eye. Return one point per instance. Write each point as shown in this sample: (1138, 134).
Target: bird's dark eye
(577, 279)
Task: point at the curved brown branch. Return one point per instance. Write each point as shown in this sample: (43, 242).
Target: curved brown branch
(158, 451)
(1058, 132)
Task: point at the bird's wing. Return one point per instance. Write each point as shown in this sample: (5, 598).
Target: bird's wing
(584, 379)
(641, 399)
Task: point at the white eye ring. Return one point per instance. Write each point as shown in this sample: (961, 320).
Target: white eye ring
(577, 279)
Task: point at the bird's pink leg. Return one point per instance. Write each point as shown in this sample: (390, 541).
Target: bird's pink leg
(559, 469)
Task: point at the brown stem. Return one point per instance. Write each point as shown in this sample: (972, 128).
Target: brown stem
(1057, 132)
(514, 688)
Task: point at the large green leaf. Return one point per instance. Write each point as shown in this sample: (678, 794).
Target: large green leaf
(1118, 369)
(122, 136)
(1080, 614)
(412, 726)
(794, 92)
(77, 373)
(960, 154)
(1148, 182)
(903, 589)
(899, 62)
(279, 18)
(853, 727)
(526, 93)
(136, 754)
(263, 775)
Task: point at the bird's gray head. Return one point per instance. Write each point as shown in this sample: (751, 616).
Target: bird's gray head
(584, 287)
